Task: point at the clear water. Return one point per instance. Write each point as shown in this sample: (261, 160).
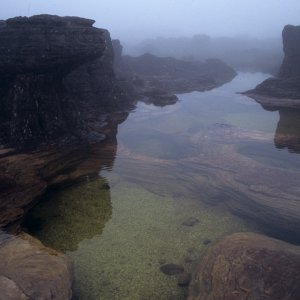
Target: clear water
(173, 163)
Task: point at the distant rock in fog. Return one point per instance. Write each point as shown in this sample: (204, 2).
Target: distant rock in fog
(287, 84)
(155, 79)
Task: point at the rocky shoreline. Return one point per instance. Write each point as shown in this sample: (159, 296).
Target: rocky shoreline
(60, 107)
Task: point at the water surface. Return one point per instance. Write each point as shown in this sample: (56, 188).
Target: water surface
(173, 163)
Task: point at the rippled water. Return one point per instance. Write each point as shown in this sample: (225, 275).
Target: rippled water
(200, 159)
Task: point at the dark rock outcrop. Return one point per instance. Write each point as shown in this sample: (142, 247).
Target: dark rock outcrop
(178, 76)
(156, 79)
(25, 177)
(56, 79)
(291, 45)
(286, 86)
(248, 266)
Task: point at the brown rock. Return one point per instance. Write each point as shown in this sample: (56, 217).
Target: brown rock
(29, 270)
(248, 266)
(9, 290)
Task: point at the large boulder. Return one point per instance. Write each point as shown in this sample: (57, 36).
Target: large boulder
(56, 80)
(248, 266)
(29, 270)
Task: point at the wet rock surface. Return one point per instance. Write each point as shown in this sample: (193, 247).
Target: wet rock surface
(190, 222)
(264, 193)
(32, 271)
(248, 266)
(22, 183)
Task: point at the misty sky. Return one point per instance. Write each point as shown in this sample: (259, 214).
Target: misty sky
(135, 20)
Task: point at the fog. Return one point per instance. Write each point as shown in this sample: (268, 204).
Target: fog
(246, 34)
(135, 20)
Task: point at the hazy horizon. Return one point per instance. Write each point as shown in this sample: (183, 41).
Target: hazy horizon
(133, 21)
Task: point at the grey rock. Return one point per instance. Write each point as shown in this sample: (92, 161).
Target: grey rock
(184, 279)
(171, 269)
(190, 222)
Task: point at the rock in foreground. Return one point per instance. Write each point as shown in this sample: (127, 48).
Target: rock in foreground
(248, 266)
(32, 271)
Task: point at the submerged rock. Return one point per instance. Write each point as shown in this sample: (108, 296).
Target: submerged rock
(206, 242)
(190, 222)
(171, 269)
(184, 279)
(248, 266)
(29, 270)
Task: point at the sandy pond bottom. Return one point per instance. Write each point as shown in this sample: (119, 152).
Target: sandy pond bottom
(144, 231)
(120, 228)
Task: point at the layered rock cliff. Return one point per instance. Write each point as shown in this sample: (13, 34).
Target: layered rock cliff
(56, 79)
(287, 84)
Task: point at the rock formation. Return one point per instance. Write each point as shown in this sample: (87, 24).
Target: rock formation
(248, 266)
(25, 272)
(291, 45)
(56, 78)
(156, 79)
(287, 84)
(57, 86)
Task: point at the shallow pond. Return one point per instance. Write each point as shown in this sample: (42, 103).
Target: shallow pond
(164, 199)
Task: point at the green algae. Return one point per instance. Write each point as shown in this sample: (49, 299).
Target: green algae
(145, 231)
(68, 216)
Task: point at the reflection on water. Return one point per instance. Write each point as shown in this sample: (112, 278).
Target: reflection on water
(288, 130)
(71, 215)
(201, 159)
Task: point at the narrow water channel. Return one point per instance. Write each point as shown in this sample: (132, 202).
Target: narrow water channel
(165, 198)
